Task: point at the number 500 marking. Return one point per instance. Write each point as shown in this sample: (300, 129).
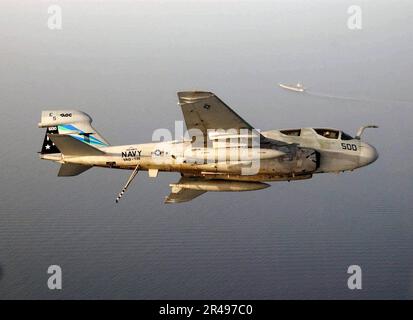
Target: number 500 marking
(348, 146)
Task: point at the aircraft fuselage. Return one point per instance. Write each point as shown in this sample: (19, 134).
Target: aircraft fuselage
(333, 155)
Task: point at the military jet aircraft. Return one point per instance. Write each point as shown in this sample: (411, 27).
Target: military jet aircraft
(297, 87)
(220, 151)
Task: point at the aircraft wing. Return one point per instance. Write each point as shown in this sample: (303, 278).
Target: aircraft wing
(183, 195)
(204, 110)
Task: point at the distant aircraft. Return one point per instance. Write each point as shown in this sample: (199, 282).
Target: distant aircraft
(298, 87)
(281, 155)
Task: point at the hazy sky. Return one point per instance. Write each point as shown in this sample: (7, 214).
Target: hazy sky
(122, 62)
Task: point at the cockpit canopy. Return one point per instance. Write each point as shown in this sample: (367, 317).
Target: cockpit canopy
(328, 133)
(333, 134)
(345, 136)
(324, 132)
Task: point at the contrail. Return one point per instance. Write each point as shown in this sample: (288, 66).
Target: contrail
(333, 96)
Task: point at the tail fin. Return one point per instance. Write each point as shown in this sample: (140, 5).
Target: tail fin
(48, 146)
(69, 122)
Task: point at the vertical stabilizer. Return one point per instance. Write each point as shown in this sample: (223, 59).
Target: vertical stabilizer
(48, 146)
(75, 123)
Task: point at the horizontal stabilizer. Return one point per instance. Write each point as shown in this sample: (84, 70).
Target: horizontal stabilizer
(68, 169)
(71, 146)
(72, 121)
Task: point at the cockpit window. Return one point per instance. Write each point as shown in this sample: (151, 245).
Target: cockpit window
(345, 136)
(294, 132)
(327, 133)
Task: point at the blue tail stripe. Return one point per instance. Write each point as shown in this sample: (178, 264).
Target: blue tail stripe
(92, 139)
(82, 138)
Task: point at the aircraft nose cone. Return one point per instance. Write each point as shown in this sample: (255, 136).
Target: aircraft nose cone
(368, 154)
